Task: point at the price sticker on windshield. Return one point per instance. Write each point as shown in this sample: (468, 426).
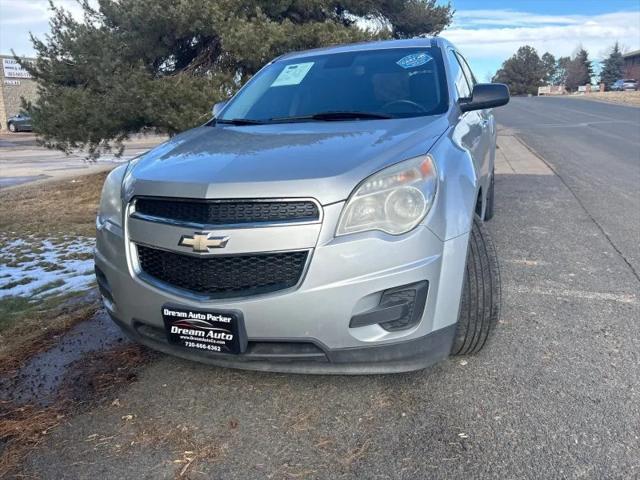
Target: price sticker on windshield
(292, 74)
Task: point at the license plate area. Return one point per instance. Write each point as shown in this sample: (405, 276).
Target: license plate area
(214, 331)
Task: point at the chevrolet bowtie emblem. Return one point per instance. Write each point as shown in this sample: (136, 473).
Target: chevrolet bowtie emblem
(203, 241)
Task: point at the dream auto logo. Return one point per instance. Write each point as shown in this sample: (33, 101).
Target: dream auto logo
(200, 328)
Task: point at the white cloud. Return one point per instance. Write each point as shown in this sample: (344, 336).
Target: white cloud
(18, 18)
(512, 18)
(26, 12)
(15, 12)
(488, 34)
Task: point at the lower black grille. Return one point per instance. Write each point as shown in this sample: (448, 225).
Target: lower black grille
(229, 212)
(224, 276)
(414, 296)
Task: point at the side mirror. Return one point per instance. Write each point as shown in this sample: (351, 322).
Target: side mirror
(217, 108)
(486, 95)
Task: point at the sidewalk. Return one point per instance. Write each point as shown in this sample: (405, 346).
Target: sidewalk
(513, 157)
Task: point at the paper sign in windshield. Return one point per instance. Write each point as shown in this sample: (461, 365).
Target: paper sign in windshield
(292, 74)
(414, 60)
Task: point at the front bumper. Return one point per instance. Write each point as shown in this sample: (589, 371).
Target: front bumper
(307, 329)
(396, 357)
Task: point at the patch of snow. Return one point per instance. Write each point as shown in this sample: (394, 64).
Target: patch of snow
(36, 268)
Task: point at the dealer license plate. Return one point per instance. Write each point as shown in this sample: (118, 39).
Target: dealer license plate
(214, 331)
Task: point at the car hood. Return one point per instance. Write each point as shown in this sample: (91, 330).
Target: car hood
(323, 160)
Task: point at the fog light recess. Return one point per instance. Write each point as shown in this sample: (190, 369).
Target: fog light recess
(400, 308)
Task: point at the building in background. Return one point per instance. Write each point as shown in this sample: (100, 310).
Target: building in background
(632, 65)
(15, 84)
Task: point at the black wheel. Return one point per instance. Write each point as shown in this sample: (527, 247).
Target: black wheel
(481, 293)
(488, 211)
(12, 128)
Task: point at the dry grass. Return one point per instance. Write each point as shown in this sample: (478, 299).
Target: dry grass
(186, 449)
(53, 318)
(22, 429)
(50, 209)
(92, 380)
(63, 207)
(625, 98)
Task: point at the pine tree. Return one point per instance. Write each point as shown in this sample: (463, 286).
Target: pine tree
(560, 74)
(524, 72)
(549, 62)
(579, 70)
(133, 65)
(612, 66)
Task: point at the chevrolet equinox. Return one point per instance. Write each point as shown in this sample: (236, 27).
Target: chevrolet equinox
(327, 219)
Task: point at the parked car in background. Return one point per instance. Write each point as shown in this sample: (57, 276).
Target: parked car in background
(624, 84)
(328, 219)
(19, 123)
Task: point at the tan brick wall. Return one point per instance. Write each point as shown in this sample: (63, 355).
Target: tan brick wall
(11, 92)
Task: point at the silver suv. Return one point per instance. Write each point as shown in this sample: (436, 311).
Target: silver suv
(329, 218)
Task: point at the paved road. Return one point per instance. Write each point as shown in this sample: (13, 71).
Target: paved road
(595, 149)
(555, 394)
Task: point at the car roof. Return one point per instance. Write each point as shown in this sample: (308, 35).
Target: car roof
(363, 46)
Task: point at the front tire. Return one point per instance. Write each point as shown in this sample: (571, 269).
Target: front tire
(12, 128)
(481, 293)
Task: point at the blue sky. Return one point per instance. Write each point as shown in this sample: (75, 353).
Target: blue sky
(490, 31)
(487, 31)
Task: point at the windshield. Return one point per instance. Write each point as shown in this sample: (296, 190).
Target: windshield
(390, 83)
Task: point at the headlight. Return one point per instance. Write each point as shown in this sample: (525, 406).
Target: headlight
(393, 200)
(111, 200)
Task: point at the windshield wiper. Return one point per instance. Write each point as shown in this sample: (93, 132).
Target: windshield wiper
(322, 116)
(241, 121)
(334, 116)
